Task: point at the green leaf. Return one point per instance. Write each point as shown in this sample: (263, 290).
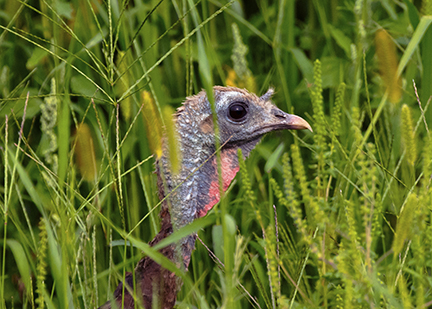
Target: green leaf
(389, 9)
(274, 157)
(204, 66)
(58, 267)
(341, 39)
(425, 21)
(412, 13)
(81, 85)
(154, 255)
(27, 182)
(230, 224)
(196, 225)
(218, 243)
(22, 263)
(17, 106)
(119, 243)
(64, 9)
(37, 55)
(304, 64)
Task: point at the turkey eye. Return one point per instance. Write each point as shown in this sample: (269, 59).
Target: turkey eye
(237, 112)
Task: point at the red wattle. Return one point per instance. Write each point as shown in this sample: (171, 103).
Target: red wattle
(230, 168)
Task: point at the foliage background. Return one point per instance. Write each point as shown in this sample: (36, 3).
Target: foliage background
(351, 226)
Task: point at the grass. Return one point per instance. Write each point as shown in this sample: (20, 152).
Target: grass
(337, 218)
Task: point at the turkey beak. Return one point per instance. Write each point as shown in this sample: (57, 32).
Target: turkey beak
(298, 123)
(291, 122)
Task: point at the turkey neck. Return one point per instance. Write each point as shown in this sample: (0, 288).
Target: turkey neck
(194, 190)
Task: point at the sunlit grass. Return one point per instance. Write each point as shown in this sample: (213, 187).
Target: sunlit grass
(341, 219)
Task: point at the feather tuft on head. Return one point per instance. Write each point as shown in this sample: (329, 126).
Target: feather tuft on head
(268, 95)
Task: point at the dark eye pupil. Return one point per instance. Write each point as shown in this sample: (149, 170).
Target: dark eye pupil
(237, 111)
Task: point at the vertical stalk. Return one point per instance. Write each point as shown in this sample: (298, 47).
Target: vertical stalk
(426, 47)
(277, 46)
(5, 210)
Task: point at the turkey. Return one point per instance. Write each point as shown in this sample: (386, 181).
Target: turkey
(243, 118)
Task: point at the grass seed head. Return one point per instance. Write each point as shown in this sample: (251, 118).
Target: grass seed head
(152, 123)
(388, 64)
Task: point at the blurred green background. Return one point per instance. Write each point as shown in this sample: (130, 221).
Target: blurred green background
(351, 226)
